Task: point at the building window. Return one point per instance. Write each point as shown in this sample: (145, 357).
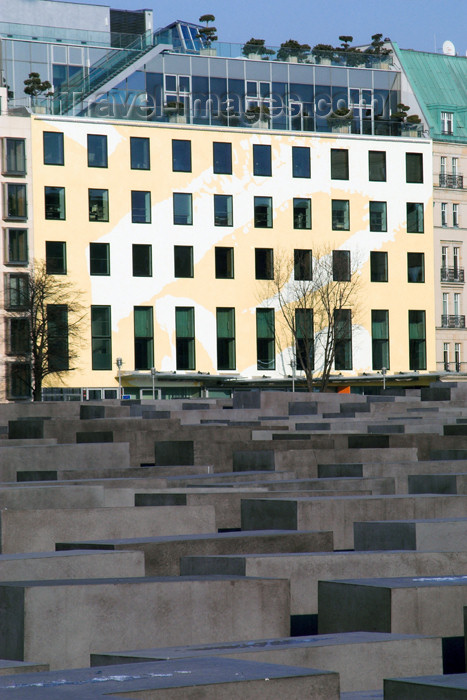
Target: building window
(16, 246)
(14, 156)
(457, 303)
(301, 213)
(55, 257)
(457, 356)
(444, 214)
(142, 260)
(99, 258)
(340, 215)
(264, 263)
(183, 209)
(414, 167)
(183, 261)
(53, 148)
(16, 291)
(54, 203)
(223, 210)
(341, 265)
(415, 267)
(455, 215)
(444, 256)
(377, 166)
(339, 164)
(140, 207)
(303, 265)
(380, 338)
(185, 337)
(417, 340)
(19, 380)
(101, 337)
(262, 160)
(447, 122)
(445, 304)
(263, 212)
(455, 262)
(15, 207)
(97, 151)
(225, 319)
(415, 218)
(18, 336)
(98, 205)
(446, 356)
(342, 339)
(181, 156)
(378, 217)
(378, 266)
(222, 158)
(224, 262)
(265, 339)
(139, 153)
(304, 338)
(301, 161)
(144, 337)
(57, 337)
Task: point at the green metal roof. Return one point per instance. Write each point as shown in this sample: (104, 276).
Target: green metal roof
(440, 85)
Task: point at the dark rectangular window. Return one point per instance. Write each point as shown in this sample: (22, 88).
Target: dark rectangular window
(223, 210)
(265, 339)
(101, 337)
(301, 213)
(181, 156)
(55, 257)
(19, 380)
(339, 164)
(222, 158)
(341, 265)
(303, 265)
(183, 209)
(97, 151)
(99, 258)
(414, 167)
(183, 261)
(142, 260)
(342, 339)
(380, 338)
(304, 338)
(378, 217)
(377, 166)
(139, 153)
(225, 321)
(14, 157)
(415, 218)
(185, 337)
(415, 267)
(264, 263)
(263, 212)
(140, 207)
(378, 266)
(54, 203)
(53, 148)
(144, 337)
(224, 261)
(417, 340)
(301, 161)
(16, 246)
(262, 160)
(98, 205)
(16, 203)
(19, 339)
(340, 215)
(57, 337)
(16, 291)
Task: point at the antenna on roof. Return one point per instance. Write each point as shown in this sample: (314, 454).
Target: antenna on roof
(449, 49)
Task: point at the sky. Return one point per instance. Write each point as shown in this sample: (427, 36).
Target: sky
(414, 24)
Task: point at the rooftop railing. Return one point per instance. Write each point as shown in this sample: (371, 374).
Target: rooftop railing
(62, 35)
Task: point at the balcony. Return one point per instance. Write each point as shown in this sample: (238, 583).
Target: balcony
(451, 321)
(452, 180)
(452, 274)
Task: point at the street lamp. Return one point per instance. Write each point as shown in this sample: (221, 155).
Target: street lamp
(119, 363)
(383, 372)
(153, 375)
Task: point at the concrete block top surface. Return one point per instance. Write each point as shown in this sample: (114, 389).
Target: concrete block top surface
(130, 581)
(406, 582)
(455, 681)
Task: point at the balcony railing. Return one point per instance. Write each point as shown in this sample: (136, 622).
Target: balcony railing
(451, 180)
(452, 274)
(452, 321)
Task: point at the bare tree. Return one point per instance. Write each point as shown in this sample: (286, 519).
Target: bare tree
(45, 321)
(316, 299)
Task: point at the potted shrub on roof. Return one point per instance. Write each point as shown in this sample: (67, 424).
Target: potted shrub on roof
(35, 87)
(207, 35)
(255, 48)
(378, 52)
(323, 53)
(292, 51)
(353, 56)
(258, 116)
(340, 120)
(409, 122)
(175, 111)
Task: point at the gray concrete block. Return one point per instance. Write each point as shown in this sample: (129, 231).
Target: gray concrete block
(26, 429)
(303, 408)
(432, 483)
(247, 399)
(10, 668)
(339, 470)
(94, 436)
(91, 412)
(368, 441)
(452, 687)
(430, 535)
(253, 460)
(386, 429)
(174, 452)
(71, 565)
